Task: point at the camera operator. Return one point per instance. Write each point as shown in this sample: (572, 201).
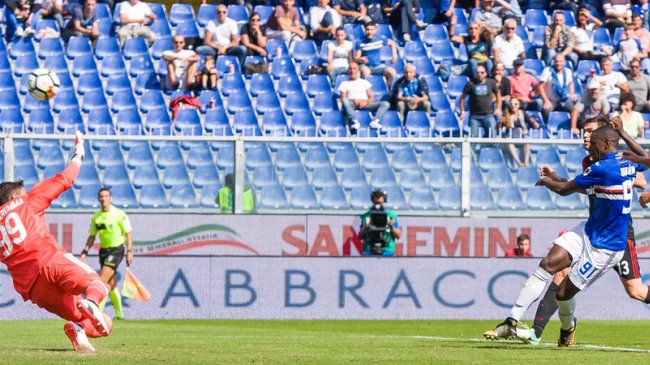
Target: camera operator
(379, 227)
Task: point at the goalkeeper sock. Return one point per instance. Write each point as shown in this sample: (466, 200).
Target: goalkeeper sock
(102, 304)
(116, 299)
(547, 307)
(96, 291)
(529, 293)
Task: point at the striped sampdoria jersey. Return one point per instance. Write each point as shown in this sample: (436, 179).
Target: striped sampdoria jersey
(610, 181)
(371, 48)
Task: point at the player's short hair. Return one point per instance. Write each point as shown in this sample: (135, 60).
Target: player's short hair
(606, 133)
(104, 189)
(523, 237)
(370, 24)
(599, 119)
(7, 188)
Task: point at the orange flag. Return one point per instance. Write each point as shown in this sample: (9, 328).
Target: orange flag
(133, 289)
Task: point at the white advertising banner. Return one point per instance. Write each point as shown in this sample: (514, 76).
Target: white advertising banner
(322, 235)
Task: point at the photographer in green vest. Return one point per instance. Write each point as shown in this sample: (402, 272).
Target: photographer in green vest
(379, 227)
(226, 198)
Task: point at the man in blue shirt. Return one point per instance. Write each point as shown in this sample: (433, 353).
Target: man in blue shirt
(591, 248)
(368, 54)
(410, 92)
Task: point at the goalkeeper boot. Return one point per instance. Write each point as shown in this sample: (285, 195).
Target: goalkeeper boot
(92, 312)
(78, 337)
(506, 329)
(568, 337)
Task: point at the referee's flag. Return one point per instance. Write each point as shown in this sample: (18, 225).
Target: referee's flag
(133, 289)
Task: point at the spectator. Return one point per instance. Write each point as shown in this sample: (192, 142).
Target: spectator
(52, 9)
(352, 11)
(445, 12)
(368, 51)
(632, 120)
(249, 4)
(508, 46)
(226, 197)
(640, 8)
(506, 9)
(592, 104)
(556, 88)
(628, 49)
(377, 240)
(515, 124)
(617, 13)
(503, 83)
(18, 18)
(284, 24)
(83, 22)
(583, 36)
(323, 21)
(411, 92)
(558, 40)
(522, 249)
(209, 74)
(339, 55)
(482, 114)
(639, 32)
(401, 16)
(639, 85)
(612, 83)
(356, 94)
(182, 65)
(253, 36)
(222, 37)
(486, 18)
(135, 15)
(479, 46)
(523, 86)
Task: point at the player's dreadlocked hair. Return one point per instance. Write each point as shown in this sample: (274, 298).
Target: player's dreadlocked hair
(7, 188)
(606, 133)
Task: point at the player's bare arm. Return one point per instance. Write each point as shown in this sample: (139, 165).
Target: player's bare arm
(89, 244)
(547, 171)
(562, 188)
(644, 198)
(636, 158)
(617, 124)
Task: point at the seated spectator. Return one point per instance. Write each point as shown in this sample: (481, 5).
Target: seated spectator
(556, 88)
(572, 5)
(639, 32)
(445, 12)
(83, 22)
(617, 13)
(222, 37)
(478, 42)
(508, 46)
(339, 55)
(182, 65)
(503, 83)
(410, 92)
(583, 36)
(632, 120)
(640, 8)
(592, 104)
(323, 21)
(507, 9)
(356, 94)
(639, 84)
(515, 124)
(249, 4)
(482, 113)
(488, 19)
(52, 9)
(284, 24)
(367, 54)
(352, 11)
(253, 36)
(522, 249)
(226, 197)
(135, 15)
(209, 74)
(523, 87)
(628, 49)
(18, 18)
(612, 83)
(558, 39)
(401, 16)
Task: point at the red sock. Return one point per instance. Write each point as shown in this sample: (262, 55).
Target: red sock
(96, 291)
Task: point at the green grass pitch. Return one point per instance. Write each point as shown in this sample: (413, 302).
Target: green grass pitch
(320, 342)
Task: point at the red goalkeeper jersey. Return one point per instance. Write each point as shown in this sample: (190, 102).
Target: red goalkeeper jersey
(27, 244)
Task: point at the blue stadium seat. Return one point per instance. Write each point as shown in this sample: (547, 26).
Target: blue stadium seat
(265, 12)
(287, 157)
(258, 156)
(318, 84)
(382, 178)
(161, 45)
(549, 157)
(199, 156)
(181, 13)
(304, 50)
(481, 198)
(123, 196)
(332, 124)
(28, 174)
(187, 119)
(539, 198)
(209, 195)
(21, 47)
(303, 123)
(585, 67)
(50, 47)
(188, 29)
(100, 121)
(533, 66)
(441, 177)
(94, 100)
(271, 49)
(223, 65)
(439, 102)
(110, 155)
(153, 196)
(264, 176)
(442, 51)
(455, 85)
(145, 175)
(103, 11)
(135, 47)
(107, 46)
(116, 175)
(231, 83)
(78, 46)
(23, 155)
(274, 123)
(152, 99)
(175, 175)
(433, 158)
(491, 158)
(84, 64)
(260, 83)
(88, 195)
(499, 177)
(412, 179)
(239, 100)
(273, 197)
(50, 156)
(404, 159)
(538, 37)
(70, 120)
(446, 124)
(417, 123)
(316, 158)
(324, 177)
(67, 199)
(89, 82)
(206, 13)
(569, 202)
(158, 122)
(217, 122)
(359, 197)
(296, 102)
(160, 27)
(245, 122)
(536, 18)
(601, 37)
(141, 64)
(282, 67)
(527, 177)
(558, 120)
(87, 176)
(25, 64)
(397, 199)
(375, 158)
(41, 121)
(414, 50)
(333, 198)
(510, 199)
(345, 158)
(574, 157)
(435, 32)
(146, 81)
(169, 155)
(66, 81)
(64, 100)
(289, 84)
(303, 197)
(106, 28)
(205, 175)
(139, 155)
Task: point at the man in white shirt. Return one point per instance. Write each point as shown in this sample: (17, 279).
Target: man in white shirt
(356, 94)
(135, 15)
(612, 83)
(323, 21)
(222, 37)
(508, 46)
(182, 65)
(556, 87)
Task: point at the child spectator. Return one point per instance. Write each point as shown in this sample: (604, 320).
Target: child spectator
(209, 74)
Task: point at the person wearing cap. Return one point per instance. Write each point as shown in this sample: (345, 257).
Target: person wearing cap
(523, 87)
(592, 104)
(508, 46)
(379, 198)
(639, 84)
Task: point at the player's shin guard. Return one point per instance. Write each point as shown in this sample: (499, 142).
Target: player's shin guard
(96, 291)
(531, 290)
(566, 308)
(116, 299)
(547, 307)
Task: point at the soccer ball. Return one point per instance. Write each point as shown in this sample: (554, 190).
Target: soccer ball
(43, 84)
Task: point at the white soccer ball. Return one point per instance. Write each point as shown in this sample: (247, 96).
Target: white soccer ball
(43, 84)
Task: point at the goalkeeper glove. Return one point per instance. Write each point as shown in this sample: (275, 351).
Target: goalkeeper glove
(79, 150)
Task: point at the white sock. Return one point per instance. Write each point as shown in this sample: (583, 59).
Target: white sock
(529, 293)
(565, 309)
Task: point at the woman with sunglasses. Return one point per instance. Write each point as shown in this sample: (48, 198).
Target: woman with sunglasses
(478, 43)
(253, 36)
(515, 124)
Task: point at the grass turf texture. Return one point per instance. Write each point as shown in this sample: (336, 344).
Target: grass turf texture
(320, 342)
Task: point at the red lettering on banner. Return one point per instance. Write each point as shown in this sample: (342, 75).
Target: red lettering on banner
(300, 244)
(441, 238)
(351, 238)
(412, 241)
(479, 241)
(324, 242)
(495, 238)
